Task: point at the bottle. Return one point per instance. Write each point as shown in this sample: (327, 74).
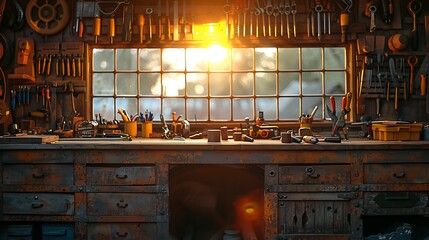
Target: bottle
(260, 120)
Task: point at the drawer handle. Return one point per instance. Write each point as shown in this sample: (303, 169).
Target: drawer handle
(122, 205)
(121, 234)
(122, 176)
(310, 172)
(36, 205)
(399, 175)
(41, 175)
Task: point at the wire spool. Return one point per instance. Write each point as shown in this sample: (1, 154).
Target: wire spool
(47, 17)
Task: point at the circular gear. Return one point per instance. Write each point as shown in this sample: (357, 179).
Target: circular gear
(47, 17)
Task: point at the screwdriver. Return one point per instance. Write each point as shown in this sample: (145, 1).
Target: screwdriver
(141, 26)
(112, 29)
(97, 28)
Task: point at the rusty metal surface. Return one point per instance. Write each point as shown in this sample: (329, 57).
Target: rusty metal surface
(127, 231)
(38, 203)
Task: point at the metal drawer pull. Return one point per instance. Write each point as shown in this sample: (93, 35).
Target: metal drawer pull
(36, 205)
(121, 234)
(122, 176)
(399, 175)
(121, 204)
(41, 175)
(310, 172)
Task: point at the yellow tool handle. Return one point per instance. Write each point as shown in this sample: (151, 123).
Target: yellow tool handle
(141, 27)
(348, 101)
(48, 70)
(73, 66)
(68, 65)
(423, 84)
(79, 66)
(63, 66)
(57, 67)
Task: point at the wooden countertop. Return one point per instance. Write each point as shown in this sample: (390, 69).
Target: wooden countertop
(202, 144)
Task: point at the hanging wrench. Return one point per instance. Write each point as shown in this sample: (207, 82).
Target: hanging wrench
(293, 11)
(149, 12)
(372, 9)
(276, 12)
(318, 8)
(269, 10)
(287, 12)
(282, 12)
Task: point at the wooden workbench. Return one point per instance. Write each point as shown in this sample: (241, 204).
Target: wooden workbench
(128, 189)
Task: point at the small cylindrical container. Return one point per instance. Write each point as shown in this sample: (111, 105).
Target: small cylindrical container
(146, 129)
(130, 128)
(224, 133)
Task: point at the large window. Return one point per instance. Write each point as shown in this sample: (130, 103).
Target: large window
(217, 84)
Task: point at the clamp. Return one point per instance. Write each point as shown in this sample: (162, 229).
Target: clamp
(340, 121)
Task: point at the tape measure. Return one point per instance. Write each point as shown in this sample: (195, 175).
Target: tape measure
(47, 17)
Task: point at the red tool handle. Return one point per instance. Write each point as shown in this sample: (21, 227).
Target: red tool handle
(343, 103)
(332, 100)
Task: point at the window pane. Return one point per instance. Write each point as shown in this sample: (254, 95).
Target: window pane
(267, 106)
(220, 84)
(197, 108)
(173, 105)
(220, 59)
(243, 107)
(150, 59)
(103, 59)
(288, 83)
(289, 108)
(126, 84)
(129, 104)
(151, 104)
(150, 84)
(335, 82)
(308, 104)
(197, 84)
(242, 59)
(266, 59)
(105, 106)
(196, 59)
(311, 83)
(265, 84)
(103, 84)
(335, 58)
(220, 109)
(173, 59)
(173, 84)
(126, 59)
(288, 59)
(242, 84)
(312, 58)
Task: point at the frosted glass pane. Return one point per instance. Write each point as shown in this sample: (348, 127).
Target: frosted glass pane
(151, 104)
(197, 84)
(129, 104)
(126, 84)
(197, 108)
(242, 108)
(288, 59)
(335, 82)
(242, 59)
(308, 104)
(103, 59)
(150, 59)
(268, 106)
(103, 84)
(219, 59)
(196, 59)
(242, 84)
(150, 84)
(265, 59)
(311, 83)
(173, 84)
(265, 84)
(126, 59)
(335, 58)
(220, 84)
(220, 109)
(289, 108)
(173, 59)
(105, 106)
(173, 105)
(311, 58)
(288, 84)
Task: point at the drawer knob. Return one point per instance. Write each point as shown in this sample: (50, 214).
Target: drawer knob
(399, 175)
(121, 234)
(310, 172)
(39, 175)
(122, 176)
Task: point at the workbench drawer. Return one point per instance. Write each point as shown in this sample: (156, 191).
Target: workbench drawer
(113, 176)
(396, 173)
(121, 204)
(38, 203)
(315, 174)
(38, 174)
(395, 203)
(39, 156)
(123, 231)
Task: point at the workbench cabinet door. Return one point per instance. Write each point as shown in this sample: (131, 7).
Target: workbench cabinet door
(116, 176)
(123, 231)
(38, 203)
(122, 204)
(38, 174)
